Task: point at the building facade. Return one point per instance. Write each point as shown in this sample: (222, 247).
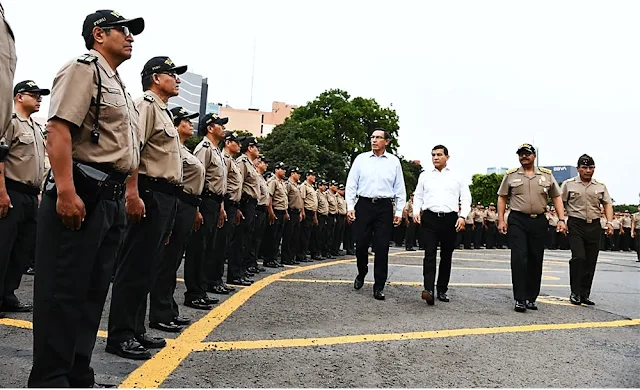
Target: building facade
(259, 123)
(193, 95)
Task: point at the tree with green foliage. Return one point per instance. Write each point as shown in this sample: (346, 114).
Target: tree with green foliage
(484, 188)
(621, 208)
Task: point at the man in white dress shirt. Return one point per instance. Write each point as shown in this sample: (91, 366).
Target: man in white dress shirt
(374, 186)
(439, 193)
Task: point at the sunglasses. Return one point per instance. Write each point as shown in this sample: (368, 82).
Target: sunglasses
(123, 29)
(587, 167)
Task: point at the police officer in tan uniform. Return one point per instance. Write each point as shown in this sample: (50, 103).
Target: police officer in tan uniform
(291, 232)
(323, 220)
(491, 218)
(92, 148)
(341, 219)
(151, 203)
(614, 239)
(410, 234)
(261, 212)
(330, 194)
(233, 216)
(468, 231)
(21, 177)
(625, 239)
(199, 263)
(347, 241)
(635, 232)
(310, 200)
(278, 214)
(8, 61)
(239, 257)
(163, 309)
(526, 188)
(479, 224)
(583, 196)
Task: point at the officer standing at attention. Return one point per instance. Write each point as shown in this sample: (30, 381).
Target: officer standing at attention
(526, 188)
(261, 212)
(635, 233)
(82, 215)
(479, 224)
(151, 203)
(278, 214)
(491, 217)
(310, 220)
(232, 214)
(243, 236)
(198, 259)
(21, 177)
(8, 61)
(323, 220)
(340, 221)
(468, 230)
(163, 309)
(410, 236)
(625, 239)
(333, 215)
(291, 233)
(376, 182)
(583, 196)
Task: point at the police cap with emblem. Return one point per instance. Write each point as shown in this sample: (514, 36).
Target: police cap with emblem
(107, 18)
(311, 172)
(209, 120)
(250, 141)
(280, 165)
(526, 148)
(29, 86)
(587, 160)
(293, 170)
(161, 64)
(231, 136)
(341, 187)
(180, 113)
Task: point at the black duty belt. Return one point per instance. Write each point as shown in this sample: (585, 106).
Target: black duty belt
(533, 216)
(158, 184)
(292, 210)
(261, 208)
(248, 199)
(212, 195)
(21, 187)
(193, 200)
(441, 214)
(227, 199)
(108, 169)
(375, 200)
(101, 180)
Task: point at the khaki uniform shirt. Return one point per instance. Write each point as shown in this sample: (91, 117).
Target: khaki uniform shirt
(626, 222)
(529, 194)
(26, 161)
(333, 202)
(636, 218)
(553, 220)
(73, 89)
(278, 192)
(193, 172)
(469, 219)
(603, 223)
(409, 209)
(323, 204)
(342, 205)
(160, 155)
(294, 196)
(234, 178)
(309, 196)
(616, 224)
(583, 201)
(491, 216)
(478, 215)
(215, 174)
(250, 183)
(264, 192)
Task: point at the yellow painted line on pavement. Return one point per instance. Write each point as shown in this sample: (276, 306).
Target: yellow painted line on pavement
(481, 260)
(464, 268)
(408, 283)
(29, 325)
(154, 371)
(433, 334)
(553, 300)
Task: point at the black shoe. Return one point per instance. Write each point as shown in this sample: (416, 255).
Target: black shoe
(410, 249)
(428, 296)
(248, 280)
(316, 257)
(16, 308)
(253, 270)
(150, 342)
(270, 264)
(295, 262)
(198, 304)
(182, 321)
(239, 282)
(358, 283)
(531, 305)
(575, 299)
(341, 253)
(279, 264)
(443, 297)
(587, 301)
(31, 271)
(229, 288)
(219, 290)
(260, 269)
(248, 274)
(520, 307)
(352, 253)
(171, 327)
(210, 300)
(130, 349)
(103, 386)
(378, 294)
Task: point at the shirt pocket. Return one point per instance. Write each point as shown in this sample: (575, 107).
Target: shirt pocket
(25, 143)
(112, 97)
(169, 138)
(516, 187)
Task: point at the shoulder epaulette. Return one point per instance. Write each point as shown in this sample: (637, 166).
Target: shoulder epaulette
(88, 59)
(205, 144)
(571, 179)
(14, 115)
(545, 170)
(149, 98)
(510, 171)
(597, 181)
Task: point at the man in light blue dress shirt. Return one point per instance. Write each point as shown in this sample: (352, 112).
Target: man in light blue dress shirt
(374, 186)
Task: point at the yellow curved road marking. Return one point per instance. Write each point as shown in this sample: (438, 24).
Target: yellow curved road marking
(433, 334)
(410, 283)
(29, 325)
(154, 371)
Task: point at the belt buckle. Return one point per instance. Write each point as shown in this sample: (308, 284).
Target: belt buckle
(533, 215)
(373, 200)
(589, 220)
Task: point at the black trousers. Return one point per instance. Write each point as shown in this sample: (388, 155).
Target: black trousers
(291, 237)
(468, 235)
(638, 243)
(73, 270)
(201, 246)
(348, 242)
(330, 232)
(614, 240)
(438, 229)
(338, 233)
(625, 240)
(410, 238)
(258, 233)
(162, 307)
(305, 233)
(491, 235)
(140, 258)
(17, 241)
(242, 241)
(552, 237)
(321, 235)
(526, 239)
(214, 261)
(584, 239)
(477, 239)
(399, 232)
(373, 220)
(273, 235)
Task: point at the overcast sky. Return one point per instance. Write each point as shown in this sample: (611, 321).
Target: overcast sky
(480, 77)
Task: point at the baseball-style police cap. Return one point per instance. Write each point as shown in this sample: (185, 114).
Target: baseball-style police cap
(231, 136)
(322, 183)
(280, 165)
(294, 170)
(29, 86)
(341, 187)
(211, 119)
(526, 148)
(180, 113)
(310, 172)
(333, 183)
(161, 64)
(587, 160)
(250, 141)
(107, 18)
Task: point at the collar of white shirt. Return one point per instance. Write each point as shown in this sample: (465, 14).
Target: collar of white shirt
(384, 154)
